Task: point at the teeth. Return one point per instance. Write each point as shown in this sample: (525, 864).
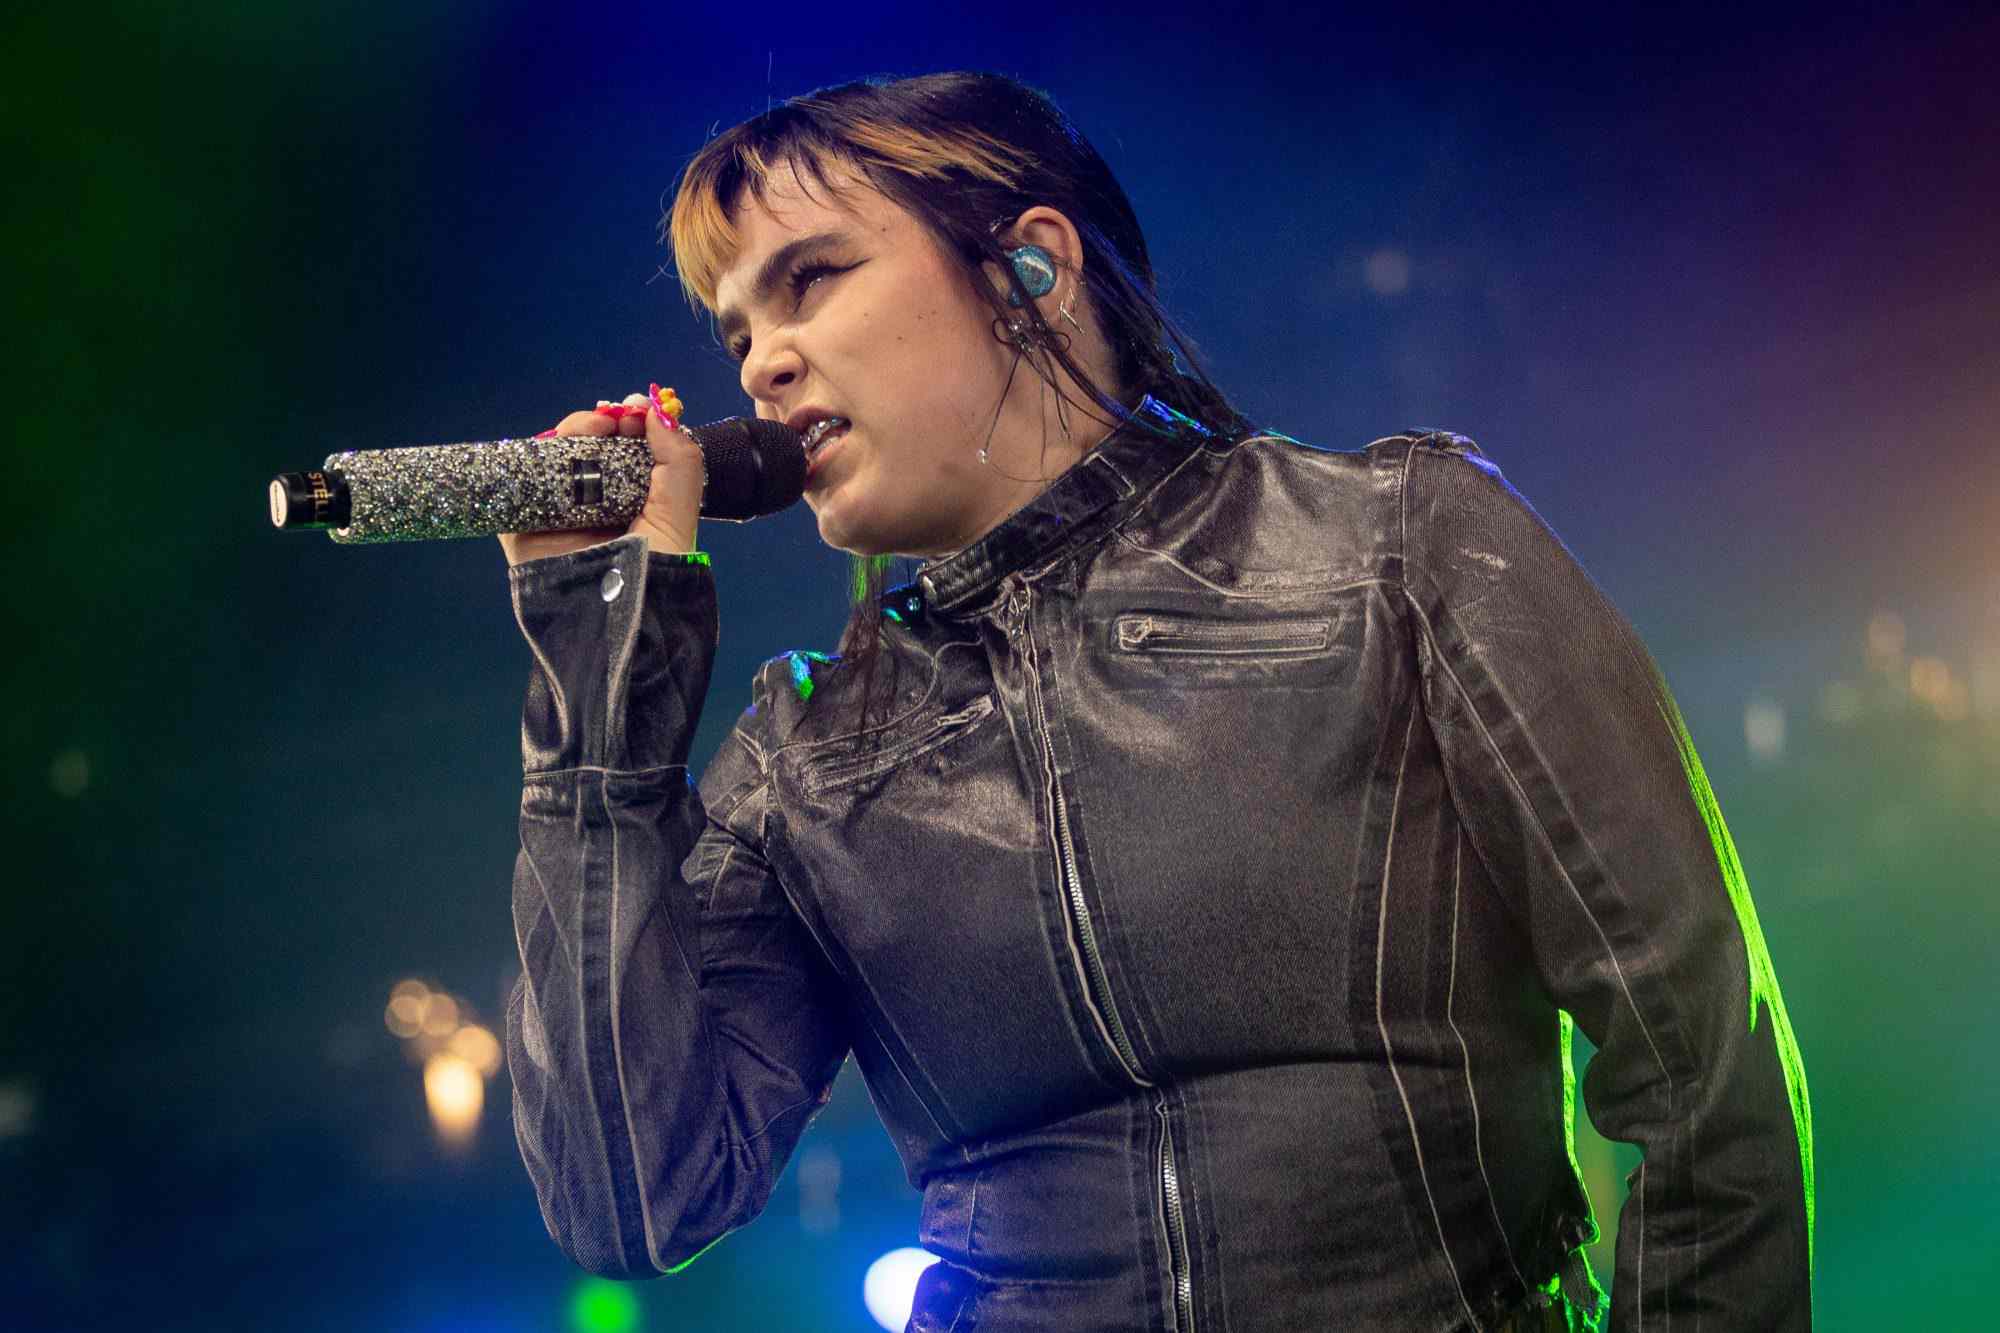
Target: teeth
(819, 430)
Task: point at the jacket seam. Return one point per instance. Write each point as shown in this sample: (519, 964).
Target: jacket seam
(1381, 1022)
(1624, 986)
(846, 771)
(1673, 1092)
(548, 910)
(775, 1117)
(1548, 842)
(654, 1243)
(618, 674)
(726, 812)
(1639, 1273)
(1167, 557)
(930, 657)
(1471, 1091)
(1139, 498)
(549, 673)
(535, 773)
(1403, 511)
(1674, 1099)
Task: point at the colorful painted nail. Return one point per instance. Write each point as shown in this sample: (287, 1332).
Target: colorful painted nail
(668, 405)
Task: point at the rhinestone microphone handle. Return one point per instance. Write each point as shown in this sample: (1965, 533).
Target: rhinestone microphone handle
(477, 490)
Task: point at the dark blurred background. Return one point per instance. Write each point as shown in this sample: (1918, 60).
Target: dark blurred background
(1717, 291)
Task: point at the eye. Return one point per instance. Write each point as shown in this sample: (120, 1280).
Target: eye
(805, 275)
(800, 279)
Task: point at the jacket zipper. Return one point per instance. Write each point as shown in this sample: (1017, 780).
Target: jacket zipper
(1097, 989)
(1177, 1257)
(1150, 635)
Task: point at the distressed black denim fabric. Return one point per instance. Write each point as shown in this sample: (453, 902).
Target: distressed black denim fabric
(1208, 918)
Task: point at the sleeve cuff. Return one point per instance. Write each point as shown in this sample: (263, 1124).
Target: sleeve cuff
(623, 640)
(555, 567)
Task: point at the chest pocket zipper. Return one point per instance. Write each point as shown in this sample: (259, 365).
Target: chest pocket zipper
(1170, 634)
(945, 729)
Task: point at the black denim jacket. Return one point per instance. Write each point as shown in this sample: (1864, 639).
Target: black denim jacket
(1208, 918)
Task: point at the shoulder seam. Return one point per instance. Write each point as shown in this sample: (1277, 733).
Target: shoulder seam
(1403, 519)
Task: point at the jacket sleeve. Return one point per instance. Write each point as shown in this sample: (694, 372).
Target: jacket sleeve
(1573, 773)
(674, 1027)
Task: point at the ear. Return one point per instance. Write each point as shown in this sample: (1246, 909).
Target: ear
(1055, 233)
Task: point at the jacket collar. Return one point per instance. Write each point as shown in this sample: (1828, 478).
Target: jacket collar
(1085, 501)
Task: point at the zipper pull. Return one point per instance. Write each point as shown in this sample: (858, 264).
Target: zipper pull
(1017, 601)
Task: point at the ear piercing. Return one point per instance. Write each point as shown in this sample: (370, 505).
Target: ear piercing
(1063, 310)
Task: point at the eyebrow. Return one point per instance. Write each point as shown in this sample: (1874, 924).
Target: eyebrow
(773, 270)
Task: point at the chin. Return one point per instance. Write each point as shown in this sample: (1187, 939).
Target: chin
(866, 534)
(836, 534)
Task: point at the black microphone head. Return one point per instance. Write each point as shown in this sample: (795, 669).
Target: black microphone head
(755, 467)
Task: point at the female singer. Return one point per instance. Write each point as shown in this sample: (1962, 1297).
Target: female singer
(1204, 857)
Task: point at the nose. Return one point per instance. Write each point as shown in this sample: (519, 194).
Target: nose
(770, 368)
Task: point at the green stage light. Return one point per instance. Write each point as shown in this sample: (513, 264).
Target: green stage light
(603, 1307)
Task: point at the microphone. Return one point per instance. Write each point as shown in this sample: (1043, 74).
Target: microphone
(755, 467)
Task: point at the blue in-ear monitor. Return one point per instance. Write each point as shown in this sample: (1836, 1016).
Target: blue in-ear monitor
(1036, 270)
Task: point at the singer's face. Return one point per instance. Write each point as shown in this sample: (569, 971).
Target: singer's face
(842, 303)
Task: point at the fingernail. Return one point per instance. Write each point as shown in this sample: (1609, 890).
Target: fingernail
(667, 406)
(548, 434)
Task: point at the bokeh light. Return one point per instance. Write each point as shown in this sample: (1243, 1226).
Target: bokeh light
(1764, 730)
(819, 1189)
(1387, 272)
(455, 1094)
(404, 1014)
(1933, 682)
(1885, 641)
(477, 1047)
(456, 1053)
(601, 1306)
(440, 1015)
(890, 1288)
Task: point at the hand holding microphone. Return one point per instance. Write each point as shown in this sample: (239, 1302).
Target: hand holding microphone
(673, 495)
(623, 469)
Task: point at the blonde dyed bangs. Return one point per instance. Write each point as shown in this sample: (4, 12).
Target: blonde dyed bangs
(700, 230)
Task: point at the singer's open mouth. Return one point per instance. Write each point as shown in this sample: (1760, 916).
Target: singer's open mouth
(821, 438)
(822, 431)
(818, 457)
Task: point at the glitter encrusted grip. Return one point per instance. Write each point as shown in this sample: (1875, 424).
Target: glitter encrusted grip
(477, 490)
